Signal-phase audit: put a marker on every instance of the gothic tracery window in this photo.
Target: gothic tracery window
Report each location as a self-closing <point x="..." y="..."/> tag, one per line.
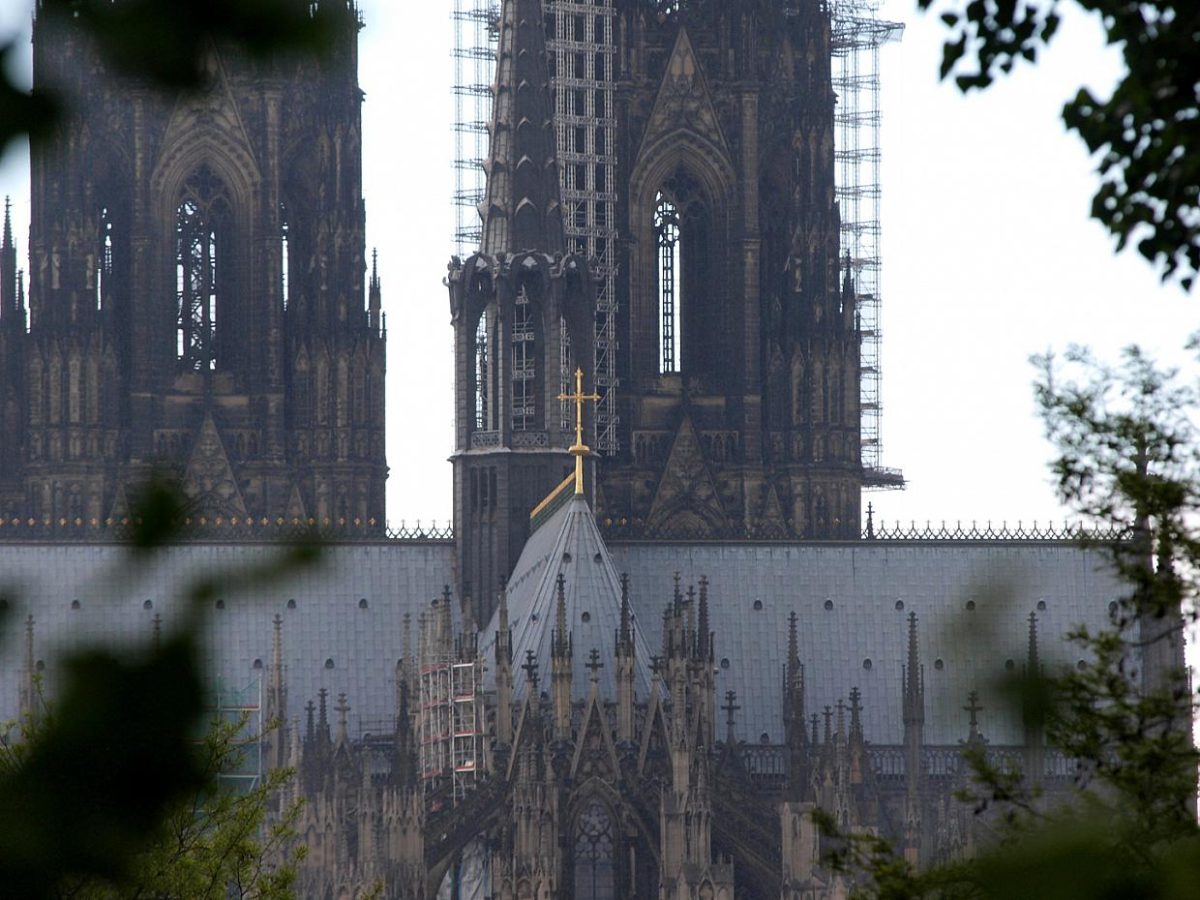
<point x="666" y="232"/>
<point x="594" y="877"/>
<point x="482" y="397"/>
<point x="201" y="229"/>
<point x="524" y="363"/>
<point x="283" y="254"/>
<point x="104" y="260"/>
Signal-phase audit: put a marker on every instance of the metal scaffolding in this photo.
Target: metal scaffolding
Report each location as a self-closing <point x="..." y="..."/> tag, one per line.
<point x="582" y="48"/>
<point x="584" y="53"/>
<point x="450" y="719"/>
<point x="243" y="708"/>
<point x="474" y="53"/>
<point x="582" y="56"/>
<point x="858" y="34"/>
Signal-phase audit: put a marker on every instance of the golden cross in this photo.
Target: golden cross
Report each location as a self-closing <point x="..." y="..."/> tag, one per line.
<point x="579" y="450"/>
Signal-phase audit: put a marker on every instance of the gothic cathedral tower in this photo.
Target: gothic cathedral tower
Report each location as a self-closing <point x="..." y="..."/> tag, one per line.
<point x="197" y="294"/>
<point x="739" y="346"/>
<point x="521" y="310"/>
<point x="685" y="147"/>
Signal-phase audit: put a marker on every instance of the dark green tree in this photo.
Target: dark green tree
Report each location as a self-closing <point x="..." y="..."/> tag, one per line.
<point x="1126" y="459"/>
<point x="116" y="792"/>
<point x="1145" y="136"/>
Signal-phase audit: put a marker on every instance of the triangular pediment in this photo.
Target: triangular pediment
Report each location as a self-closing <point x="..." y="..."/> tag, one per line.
<point x="209" y="481"/>
<point x="686" y="501"/>
<point x="684" y="102"/>
<point x="295" y="508"/>
<point x="772" y="523"/>
<point x="595" y="754"/>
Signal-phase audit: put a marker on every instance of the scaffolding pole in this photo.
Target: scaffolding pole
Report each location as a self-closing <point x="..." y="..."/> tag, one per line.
<point x="858" y="34"/>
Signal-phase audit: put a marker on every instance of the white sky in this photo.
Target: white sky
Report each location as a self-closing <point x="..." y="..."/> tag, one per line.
<point x="988" y="256"/>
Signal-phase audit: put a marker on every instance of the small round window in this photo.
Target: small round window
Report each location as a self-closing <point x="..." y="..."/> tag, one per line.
<point x="867" y="664"/>
<point x="829" y="604"/>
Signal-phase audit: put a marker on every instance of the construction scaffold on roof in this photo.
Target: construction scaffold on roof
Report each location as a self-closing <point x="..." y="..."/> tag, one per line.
<point x="450" y="717"/>
<point x="581" y="42"/>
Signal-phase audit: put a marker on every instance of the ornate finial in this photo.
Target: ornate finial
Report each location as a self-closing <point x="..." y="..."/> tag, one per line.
<point x="342" y="708"/>
<point x="974" y="708"/>
<point x="560" y="617"/>
<point x="531" y="669"/>
<point x="855" y="710"/>
<point x="730" y="708"/>
<point x="594" y="664"/>
<point x="870" y="520"/>
<point x="1034" y="664"/>
<point x="656" y="665"/>
<point x="579" y="449"/>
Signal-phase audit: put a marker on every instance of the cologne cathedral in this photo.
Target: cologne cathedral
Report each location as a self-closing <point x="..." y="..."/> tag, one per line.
<point x="625" y="674"/>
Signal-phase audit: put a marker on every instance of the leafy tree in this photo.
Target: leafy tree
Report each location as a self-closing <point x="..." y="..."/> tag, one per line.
<point x="161" y="43"/>
<point x="1127" y="456"/>
<point x="1145" y="135"/>
<point x="112" y="795"/>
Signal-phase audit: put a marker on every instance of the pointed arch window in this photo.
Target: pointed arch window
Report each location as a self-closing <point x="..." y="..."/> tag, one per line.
<point x="483" y="400"/>
<point x="283" y="253"/>
<point x="525" y="400"/>
<point x="201" y="230"/>
<point x="593" y="852"/>
<point x="666" y="232"/>
<point x="104" y="260"/>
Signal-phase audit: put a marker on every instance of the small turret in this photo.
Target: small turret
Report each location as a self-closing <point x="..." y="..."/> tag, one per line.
<point x="504" y="674"/>
<point x="914" y="724"/>
<point x="560" y="671"/>
<point x="374" y="297"/>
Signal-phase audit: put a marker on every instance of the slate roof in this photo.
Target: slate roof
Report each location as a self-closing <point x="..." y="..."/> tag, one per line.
<point x="568" y="543"/>
<point x="862" y="582"/>
<point x="753" y="588"/>
<point x="330" y="639"/>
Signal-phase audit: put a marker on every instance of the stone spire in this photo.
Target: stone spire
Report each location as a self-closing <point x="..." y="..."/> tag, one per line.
<point x="374" y="295"/>
<point x="277" y="698"/>
<point x="560" y="666"/>
<point x="8" y="268"/>
<point x="28" y="699"/>
<point x="521" y="209"/>
<point x="914" y="725"/>
<point x="624" y="665"/>
<point x="504" y="674"/>
<point x="1031" y="715"/>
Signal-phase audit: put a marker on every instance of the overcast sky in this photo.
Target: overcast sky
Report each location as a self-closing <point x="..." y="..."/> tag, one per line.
<point x="988" y="256"/>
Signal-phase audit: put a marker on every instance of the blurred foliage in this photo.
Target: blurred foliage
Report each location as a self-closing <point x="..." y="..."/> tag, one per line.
<point x="114" y="791"/>
<point x="1145" y="136"/>
<point x="163" y="43"/>
<point x="1126" y="454"/>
